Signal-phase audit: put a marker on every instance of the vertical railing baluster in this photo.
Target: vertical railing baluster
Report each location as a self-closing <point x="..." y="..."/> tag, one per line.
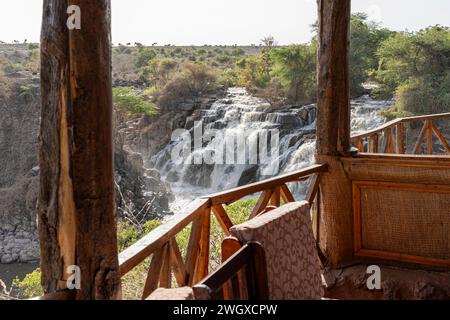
<point x="202" y="267"/>
<point x="373" y="143"/>
<point x="429" y="124"/>
<point x="400" y="138"/>
<point x="276" y="197"/>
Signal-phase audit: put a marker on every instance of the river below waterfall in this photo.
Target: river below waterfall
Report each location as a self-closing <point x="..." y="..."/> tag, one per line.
<point x="245" y="121"/>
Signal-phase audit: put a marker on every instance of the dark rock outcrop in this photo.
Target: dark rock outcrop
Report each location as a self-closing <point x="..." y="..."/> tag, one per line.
<point x="19" y="174"/>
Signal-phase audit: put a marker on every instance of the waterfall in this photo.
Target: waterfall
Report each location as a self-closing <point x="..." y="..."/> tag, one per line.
<point x="242" y="116"/>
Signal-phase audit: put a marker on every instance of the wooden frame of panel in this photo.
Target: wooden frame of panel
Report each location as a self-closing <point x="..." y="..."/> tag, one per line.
<point x="359" y="251"/>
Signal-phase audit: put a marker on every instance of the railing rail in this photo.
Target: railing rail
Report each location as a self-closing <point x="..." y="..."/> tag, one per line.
<point x="161" y="244"/>
<point x="390" y="137"/>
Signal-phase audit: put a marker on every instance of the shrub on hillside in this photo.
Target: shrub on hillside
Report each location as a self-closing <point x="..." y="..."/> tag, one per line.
<point x="144" y="56"/>
<point x="134" y="102"/>
<point x="30" y="286"/>
<point x="192" y="81"/>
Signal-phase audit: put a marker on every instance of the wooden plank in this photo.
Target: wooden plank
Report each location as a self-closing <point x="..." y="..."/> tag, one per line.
<point x="419" y="143"/>
<point x="357" y="229"/>
<point x="232" y="289"/>
<point x="262" y="203"/>
<point x="178" y="264"/>
<point x="275" y="199"/>
<point x="360" y="145"/>
<point x="373" y="143"/>
<point x="389" y="145"/>
<point x="286" y="194"/>
<point x="202" y="268"/>
<point x="247" y="255"/>
<point x="143" y="248"/>
<point x="384" y="255"/>
<point x="378" y="130"/>
<point x="427" y="117"/>
<point x="428" y="188"/>
<point x="165" y="279"/>
<point x="441" y="137"/>
<point x="313" y="188"/>
<point x="223" y="218"/>
<point x="394" y="160"/>
<point x="193" y="249"/>
<point x="400" y="138"/>
<point x="401" y="120"/>
<point x="259" y="273"/>
<point x="154" y="272"/>
<point x="229" y="196"/>
<point x="429" y="124"/>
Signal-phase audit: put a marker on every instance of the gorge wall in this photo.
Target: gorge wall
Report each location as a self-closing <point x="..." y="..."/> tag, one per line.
<point x="140" y="193"/>
<point x="19" y="171"/>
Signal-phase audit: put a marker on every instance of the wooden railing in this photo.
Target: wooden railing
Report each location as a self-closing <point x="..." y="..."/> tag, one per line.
<point x="162" y="246"/>
<point x="391" y="137"/>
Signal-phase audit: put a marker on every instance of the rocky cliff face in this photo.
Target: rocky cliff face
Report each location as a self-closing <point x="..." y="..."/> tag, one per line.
<point x="19" y="174"/>
<point x="149" y="134"/>
<point x="140" y="194"/>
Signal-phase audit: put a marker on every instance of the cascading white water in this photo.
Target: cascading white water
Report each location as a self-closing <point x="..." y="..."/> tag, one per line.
<point x="240" y="113"/>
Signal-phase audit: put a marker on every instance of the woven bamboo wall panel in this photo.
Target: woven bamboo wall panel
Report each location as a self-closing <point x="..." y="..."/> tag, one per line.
<point x="405" y="219"/>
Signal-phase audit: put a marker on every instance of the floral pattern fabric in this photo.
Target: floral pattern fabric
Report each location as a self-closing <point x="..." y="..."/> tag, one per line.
<point x="293" y="266"/>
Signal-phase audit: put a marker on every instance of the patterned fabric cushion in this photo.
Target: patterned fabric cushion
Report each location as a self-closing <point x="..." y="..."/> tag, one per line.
<point x="292" y="260"/>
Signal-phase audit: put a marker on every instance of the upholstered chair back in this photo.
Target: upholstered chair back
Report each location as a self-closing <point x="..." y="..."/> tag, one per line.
<point x="293" y="266"/>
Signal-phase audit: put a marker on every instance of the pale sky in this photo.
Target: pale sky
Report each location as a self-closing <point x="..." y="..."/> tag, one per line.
<point x="198" y="22"/>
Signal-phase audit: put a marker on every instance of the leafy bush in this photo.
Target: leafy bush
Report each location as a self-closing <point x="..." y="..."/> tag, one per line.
<point x="134" y="102"/>
<point x="127" y="233"/>
<point x="295" y="68"/>
<point x="416" y="67"/>
<point x="144" y="56"/>
<point x="366" y="37"/>
<point x="189" y="83"/>
<point x="252" y="73"/>
<point x="33" y="46"/>
<point x="30" y="286"/>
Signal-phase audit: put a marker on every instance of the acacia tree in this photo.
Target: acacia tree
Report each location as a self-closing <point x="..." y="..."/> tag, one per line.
<point x="366" y="37"/>
<point x="295" y="68"/>
<point x="416" y="67"/>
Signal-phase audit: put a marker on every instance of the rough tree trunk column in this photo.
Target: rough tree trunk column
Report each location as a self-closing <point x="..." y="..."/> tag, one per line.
<point x="333" y="129"/>
<point x="76" y="209"/>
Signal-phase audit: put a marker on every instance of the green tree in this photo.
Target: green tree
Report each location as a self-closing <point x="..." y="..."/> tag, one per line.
<point x="295" y="68"/>
<point x="366" y="37"/>
<point x="416" y="67"/>
<point x="30" y="286"/>
<point x="144" y="56"/>
<point x="253" y="72"/>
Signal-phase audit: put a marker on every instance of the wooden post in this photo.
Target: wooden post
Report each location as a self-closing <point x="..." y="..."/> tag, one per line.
<point x="389" y="143"/>
<point x="430" y="136"/>
<point x="373" y="143"/>
<point x="333" y="103"/>
<point x="333" y="130"/>
<point x="76" y="209"/>
<point x="400" y="135"/>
